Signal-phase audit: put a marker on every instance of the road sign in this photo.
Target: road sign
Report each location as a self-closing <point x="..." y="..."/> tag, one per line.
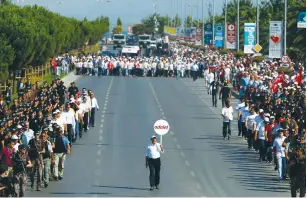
<point x="257" y="48"/>
<point x="161" y="127"/>
<point x="285" y="59"/>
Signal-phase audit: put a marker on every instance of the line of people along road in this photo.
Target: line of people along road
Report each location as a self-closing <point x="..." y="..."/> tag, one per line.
<point x="38" y="131"/>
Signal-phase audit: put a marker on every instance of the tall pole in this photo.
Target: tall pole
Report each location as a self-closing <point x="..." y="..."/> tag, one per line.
<point x="203" y="23"/>
<point x="225" y="26"/>
<point x="285" y="28"/>
<point x="238" y="25"/>
<point x="257" y="21"/>
<point x="213" y="22"/>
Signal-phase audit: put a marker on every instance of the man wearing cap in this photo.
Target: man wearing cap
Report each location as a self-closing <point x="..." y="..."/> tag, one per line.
<point x="35" y="146"/>
<point x="260" y="137"/>
<point x="152" y="160"/>
<point x="280" y="154"/>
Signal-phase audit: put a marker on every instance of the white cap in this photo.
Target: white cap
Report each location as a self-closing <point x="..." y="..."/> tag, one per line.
<point x="260" y="110"/>
<point x="267" y="115"/>
<point x="153" y="137"/>
<point x="19" y="127"/>
<point x="14" y="137"/>
<point x="266" y="119"/>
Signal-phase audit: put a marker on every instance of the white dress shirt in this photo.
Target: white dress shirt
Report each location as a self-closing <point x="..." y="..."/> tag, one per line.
<point x="29" y="134"/>
<point x="153" y="151"/>
<point x="94" y="103"/>
<point x="280" y="150"/>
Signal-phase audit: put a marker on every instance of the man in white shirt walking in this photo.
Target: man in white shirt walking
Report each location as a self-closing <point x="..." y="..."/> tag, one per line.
<point x="94" y="106"/>
<point x="153" y="151"/>
<point x="280" y="154"/>
<point x="227" y="114"/>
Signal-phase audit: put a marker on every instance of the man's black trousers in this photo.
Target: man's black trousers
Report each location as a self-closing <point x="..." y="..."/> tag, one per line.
<point x="154" y="168"/>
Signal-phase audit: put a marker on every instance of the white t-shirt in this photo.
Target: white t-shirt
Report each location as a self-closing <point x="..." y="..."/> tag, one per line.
<point x="227" y="112"/>
<point x="261" y="130"/>
<point x="251" y="121"/>
<point x="280" y="150"/>
<point x="153" y="151"/>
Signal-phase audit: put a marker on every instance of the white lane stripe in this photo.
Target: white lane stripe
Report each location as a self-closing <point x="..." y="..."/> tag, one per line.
<point x="192" y="173"/>
<point x="101" y="131"/>
<point x="102" y="115"/>
<point x="182" y="154"/>
<point x="99" y="153"/>
<point x="187" y="163"/>
<point x="99" y="145"/>
<point x="198" y="186"/>
<point x="178" y="146"/>
<point x="102" y="120"/>
<point x="100" y="137"/>
<point x="103" y="111"/>
<point x="101" y="125"/>
<point x="98" y="162"/>
<point x="171" y="132"/>
<point x="175" y="139"/>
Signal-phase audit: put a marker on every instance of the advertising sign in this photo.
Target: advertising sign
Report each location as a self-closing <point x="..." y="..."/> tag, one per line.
<point x="170" y="30"/>
<point x="193" y="34"/>
<point x="208" y="33"/>
<point x="231" y="36"/>
<point x="249" y="37"/>
<point x="187" y="34"/>
<point x="199" y="34"/>
<point x="219" y="35"/>
<point x="301" y="20"/>
<point x="276" y="38"/>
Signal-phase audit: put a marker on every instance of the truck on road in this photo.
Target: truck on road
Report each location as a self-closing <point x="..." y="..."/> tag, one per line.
<point x="119" y="41"/>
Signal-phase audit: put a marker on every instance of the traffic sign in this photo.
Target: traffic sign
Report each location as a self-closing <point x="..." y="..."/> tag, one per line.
<point x="257" y="48"/>
<point x="285" y="59"/>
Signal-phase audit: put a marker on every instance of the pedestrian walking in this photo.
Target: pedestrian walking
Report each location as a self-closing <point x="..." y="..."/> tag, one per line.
<point x="94" y="107"/>
<point x="227" y="114"/>
<point x="225" y="94"/>
<point x="153" y="161"/>
<point x="214" y="85"/>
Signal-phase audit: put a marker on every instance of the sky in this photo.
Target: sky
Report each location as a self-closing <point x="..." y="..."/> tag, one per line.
<point x="130" y="11"/>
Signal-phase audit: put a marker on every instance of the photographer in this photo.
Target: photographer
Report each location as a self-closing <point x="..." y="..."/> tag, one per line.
<point x="21" y="161"/>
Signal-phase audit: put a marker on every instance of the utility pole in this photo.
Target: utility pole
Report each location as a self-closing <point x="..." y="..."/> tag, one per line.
<point x="203" y="23"/>
<point x="213" y="22"/>
<point x="285" y="27"/>
<point x="257" y="22"/>
<point x="238" y="25"/>
<point x="225" y="26"/>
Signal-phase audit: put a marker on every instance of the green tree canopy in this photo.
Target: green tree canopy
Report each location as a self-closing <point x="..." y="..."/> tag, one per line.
<point x="30" y="35"/>
<point x="119" y="22"/>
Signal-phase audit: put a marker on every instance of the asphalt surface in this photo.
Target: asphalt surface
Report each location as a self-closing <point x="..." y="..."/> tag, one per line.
<point x="110" y="159"/>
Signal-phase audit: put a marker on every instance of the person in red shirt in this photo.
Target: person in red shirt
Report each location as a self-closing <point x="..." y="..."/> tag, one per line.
<point x="269" y="137"/>
<point x="110" y="67"/>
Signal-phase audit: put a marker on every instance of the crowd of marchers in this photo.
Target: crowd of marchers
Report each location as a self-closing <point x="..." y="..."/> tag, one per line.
<point x="38" y="130"/>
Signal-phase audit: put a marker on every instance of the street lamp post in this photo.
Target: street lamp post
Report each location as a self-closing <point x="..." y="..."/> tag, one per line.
<point x="238" y="25"/>
<point x="203" y="23"/>
<point x="257" y="22"/>
<point x="225" y="26"/>
<point x="285" y="28"/>
<point x="213" y="21"/>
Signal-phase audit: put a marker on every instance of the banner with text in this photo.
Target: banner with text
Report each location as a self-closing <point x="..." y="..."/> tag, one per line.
<point x="208" y="33"/>
<point x="199" y="34"/>
<point x="301" y="20"/>
<point x="170" y="30"/>
<point x="249" y="37"/>
<point x="231" y="36"/>
<point x="276" y="38"/>
<point x="180" y="33"/>
<point x="219" y="35"/>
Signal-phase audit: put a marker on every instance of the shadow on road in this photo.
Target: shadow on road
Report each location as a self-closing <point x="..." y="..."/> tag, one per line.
<point x="121" y="187"/>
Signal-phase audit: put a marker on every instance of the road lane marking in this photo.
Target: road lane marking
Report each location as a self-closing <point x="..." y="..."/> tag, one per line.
<point x="187" y="163"/>
<point x="198" y="186"/>
<point x="101" y="125"/>
<point x="178" y="146"/>
<point x="171" y="132"/>
<point x="98" y="162"/>
<point x="182" y="154"/>
<point x="102" y="120"/>
<point x="192" y="173"/>
<point x="102" y="115"/>
<point x="100" y="137"/>
<point x="175" y="139"/>
<point x="99" y="152"/>
<point x="103" y="111"/>
<point x="101" y="131"/>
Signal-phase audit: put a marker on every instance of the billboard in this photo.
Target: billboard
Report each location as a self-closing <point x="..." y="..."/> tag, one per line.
<point x="170" y="30"/>
<point x="276" y="38"/>
<point x="301" y="20"/>
<point x="199" y="34"/>
<point x="219" y="35"/>
<point x="193" y="34"/>
<point x="231" y="36"/>
<point x="208" y="33"/>
<point x="249" y="37"/>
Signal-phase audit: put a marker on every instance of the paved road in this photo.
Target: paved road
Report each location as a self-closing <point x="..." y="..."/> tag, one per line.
<point x="109" y="160"/>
